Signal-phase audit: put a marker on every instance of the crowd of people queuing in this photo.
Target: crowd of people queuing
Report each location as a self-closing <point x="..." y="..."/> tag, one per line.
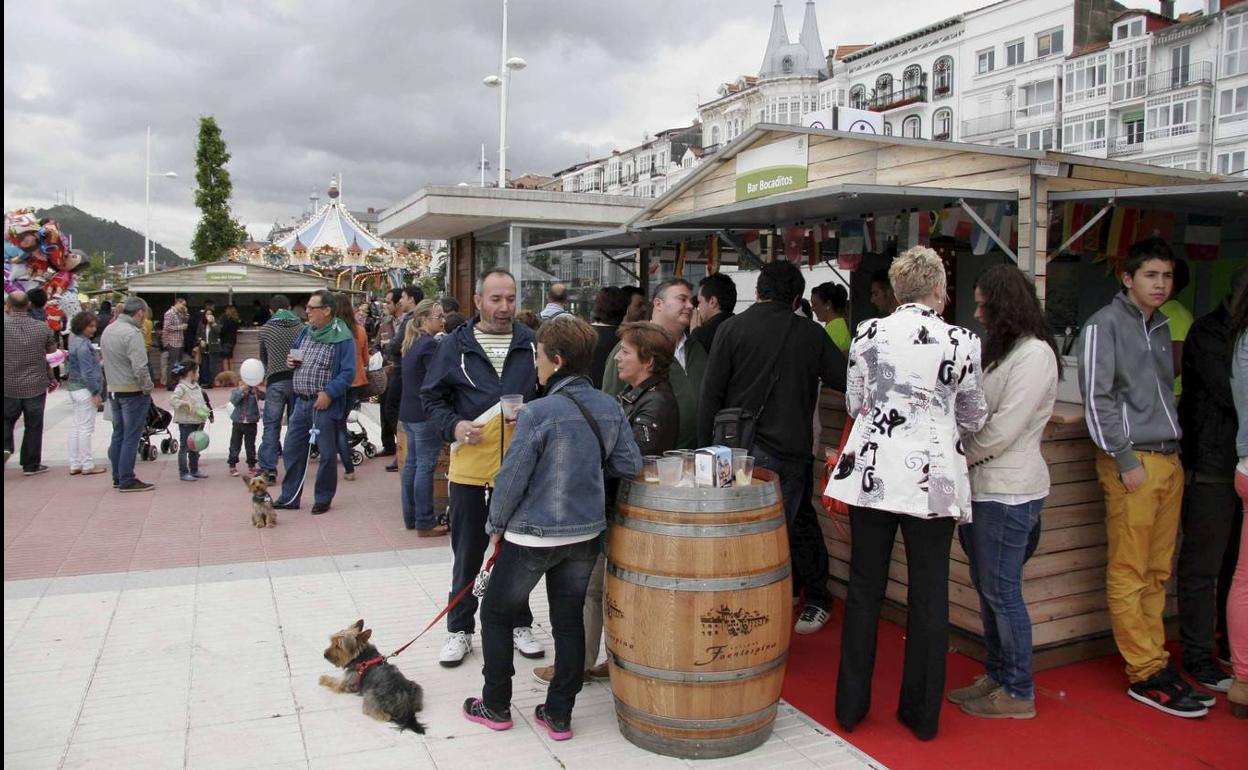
<point x="946" y="438"/>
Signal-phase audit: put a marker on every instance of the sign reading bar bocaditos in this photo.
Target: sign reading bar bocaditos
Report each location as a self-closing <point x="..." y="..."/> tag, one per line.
<point x="230" y="272"/>
<point x="777" y="168"/>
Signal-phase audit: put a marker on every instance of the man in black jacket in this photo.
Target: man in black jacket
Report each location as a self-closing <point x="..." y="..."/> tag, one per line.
<point x="771" y="361"/>
<point x="1212" y="516"/>
<point x="717" y="299"/>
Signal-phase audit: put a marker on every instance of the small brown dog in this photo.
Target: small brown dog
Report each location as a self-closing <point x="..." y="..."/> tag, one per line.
<point x="388" y="695"/>
<point x="262" y="513"/>
<point x="226" y="380"/>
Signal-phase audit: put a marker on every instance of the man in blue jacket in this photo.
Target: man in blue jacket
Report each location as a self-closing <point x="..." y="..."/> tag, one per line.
<point x="474" y="366"/>
<point x="323" y="357"/>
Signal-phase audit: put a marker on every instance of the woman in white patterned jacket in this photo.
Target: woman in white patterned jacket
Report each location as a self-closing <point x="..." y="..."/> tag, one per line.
<point x="913" y="385"/>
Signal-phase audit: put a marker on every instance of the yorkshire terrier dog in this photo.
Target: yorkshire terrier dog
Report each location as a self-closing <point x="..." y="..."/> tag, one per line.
<point x="388" y="695"/>
<point x="262" y="513"/>
<point x="226" y="380"/>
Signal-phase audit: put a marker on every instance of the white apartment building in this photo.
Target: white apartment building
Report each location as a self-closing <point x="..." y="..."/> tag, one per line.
<point x="1085" y="77"/>
<point x="644" y="171"/>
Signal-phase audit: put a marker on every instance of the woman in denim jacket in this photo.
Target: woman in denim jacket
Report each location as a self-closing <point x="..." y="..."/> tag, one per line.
<point x="86" y="393"/>
<point x="549" y="506"/>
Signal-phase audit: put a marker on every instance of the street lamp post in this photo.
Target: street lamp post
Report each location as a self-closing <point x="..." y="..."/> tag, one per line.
<point x="506" y="66"/>
<point x="148" y="260"/>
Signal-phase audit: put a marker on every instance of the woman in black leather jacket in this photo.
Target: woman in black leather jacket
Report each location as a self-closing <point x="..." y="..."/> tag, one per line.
<point x="643" y="360"/>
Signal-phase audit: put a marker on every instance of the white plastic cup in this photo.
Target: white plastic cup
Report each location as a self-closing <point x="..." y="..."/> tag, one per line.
<point x="670" y="470"/>
<point x="742" y="470"/>
<point x="650" y="469"/>
<point x="511" y="406"/>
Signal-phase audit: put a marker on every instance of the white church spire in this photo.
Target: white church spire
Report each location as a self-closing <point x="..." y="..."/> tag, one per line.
<point x="776" y="43"/>
<point x="809" y="39"/>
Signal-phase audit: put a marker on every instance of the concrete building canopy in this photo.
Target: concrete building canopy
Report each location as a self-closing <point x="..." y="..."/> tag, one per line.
<point x="448" y="212"/>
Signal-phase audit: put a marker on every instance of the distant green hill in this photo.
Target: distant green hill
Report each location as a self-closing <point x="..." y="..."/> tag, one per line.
<point x="94" y="235"/>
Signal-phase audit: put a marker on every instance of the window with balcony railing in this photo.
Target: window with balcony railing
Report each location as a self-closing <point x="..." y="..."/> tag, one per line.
<point x="942" y="77"/>
<point x="891" y="99"/>
<point x="942" y="125"/>
<point x="1194" y="74"/>
<point x="1085" y="79"/>
<point x="1084" y="133"/>
<point x="1130" y="71"/>
<point x="987" y="124"/>
<point x="1235" y="45"/>
<point x="1037" y="99"/>
<point x="1165" y="121"/>
<point x="1233" y="105"/>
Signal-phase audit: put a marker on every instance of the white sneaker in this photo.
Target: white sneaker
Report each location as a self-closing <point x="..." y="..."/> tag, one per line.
<point x="529" y="647"/>
<point x="458" y="644"/>
<point x="811" y="620"/>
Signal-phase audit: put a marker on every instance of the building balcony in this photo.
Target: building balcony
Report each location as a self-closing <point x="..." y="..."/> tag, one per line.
<point x="942" y="91"/>
<point x="895" y="99"/>
<point x="1030" y="111"/>
<point x="988" y="124"/>
<point x="1090" y="146"/>
<point x="1178" y="131"/>
<point x="1129" y="90"/>
<point x="1125" y="146"/>
<point x="1195" y="74"/>
<point x="1086" y="96"/>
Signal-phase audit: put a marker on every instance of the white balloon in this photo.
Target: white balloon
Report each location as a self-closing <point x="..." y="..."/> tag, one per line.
<point x="251" y="372"/>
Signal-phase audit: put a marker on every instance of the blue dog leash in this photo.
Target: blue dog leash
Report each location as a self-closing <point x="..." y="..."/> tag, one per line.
<point x="313" y="433"/>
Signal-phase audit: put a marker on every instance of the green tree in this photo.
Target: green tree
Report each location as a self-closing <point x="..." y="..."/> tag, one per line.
<point x="217" y="230"/>
<point x="92" y="276"/>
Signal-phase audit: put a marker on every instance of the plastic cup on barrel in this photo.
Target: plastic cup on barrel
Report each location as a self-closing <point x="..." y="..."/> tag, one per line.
<point x="511" y="406"/>
<point x="650" y="469"/>
<point x="670" y="469"/>
<point x="742" y="470"/>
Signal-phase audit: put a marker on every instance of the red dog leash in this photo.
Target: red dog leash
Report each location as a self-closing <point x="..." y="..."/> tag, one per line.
<point x="360" y="668"/>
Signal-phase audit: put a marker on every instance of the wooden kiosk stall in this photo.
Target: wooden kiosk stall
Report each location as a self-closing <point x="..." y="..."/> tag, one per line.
<point x="978" y="206"/>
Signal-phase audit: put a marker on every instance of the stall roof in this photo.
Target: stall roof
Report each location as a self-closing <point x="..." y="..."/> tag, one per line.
<point x="1225" y="198"/>
<point x="446" y="212"/>
<point x="236" y="277"/>
<point x="838" y="200"/>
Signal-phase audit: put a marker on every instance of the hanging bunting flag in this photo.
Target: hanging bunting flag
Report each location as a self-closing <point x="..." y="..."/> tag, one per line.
<point x="949" y="219"/>
<point x="981" y="241"/>
<point x="1121" y="231"/>
<point x="966" y="226"/>
<point x="681" y="249"/>
<point x="712" y="255"/>
<point x="828" y="245"/>
<point x="1202" y="236"/>
<point x="849" y="254"/>
<point x="868" y="236"/>
<point x="812" y="248"/>
<point x="1155" y="224"/>
<point x="1074" y="215"/>
<point x="794" y="238"/>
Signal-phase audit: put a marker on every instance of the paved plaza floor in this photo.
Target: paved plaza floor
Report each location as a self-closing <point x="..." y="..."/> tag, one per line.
<point x="160" y="630"/>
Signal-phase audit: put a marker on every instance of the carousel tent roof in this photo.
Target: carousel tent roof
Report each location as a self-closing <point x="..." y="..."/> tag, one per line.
<point x="332" y="226"/>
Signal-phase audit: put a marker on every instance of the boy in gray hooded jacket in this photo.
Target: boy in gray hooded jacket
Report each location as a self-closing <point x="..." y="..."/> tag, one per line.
<point x="1126" y="376"/>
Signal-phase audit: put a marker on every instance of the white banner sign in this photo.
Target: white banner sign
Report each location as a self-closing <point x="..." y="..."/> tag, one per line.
<point x="776" y="168"/>
<point x="225" y="273"/>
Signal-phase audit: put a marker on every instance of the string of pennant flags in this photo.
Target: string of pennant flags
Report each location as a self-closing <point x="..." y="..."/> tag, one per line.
<point x="847" y="241"/>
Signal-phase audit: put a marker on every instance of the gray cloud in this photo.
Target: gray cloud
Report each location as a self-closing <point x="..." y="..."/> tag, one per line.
<point x="388" y="93"/>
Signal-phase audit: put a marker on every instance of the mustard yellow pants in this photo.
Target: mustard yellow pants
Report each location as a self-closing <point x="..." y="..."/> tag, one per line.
<point x="1141" y="527"/>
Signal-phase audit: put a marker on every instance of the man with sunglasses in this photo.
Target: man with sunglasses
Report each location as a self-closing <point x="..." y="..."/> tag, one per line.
<point x="323" y="358"/>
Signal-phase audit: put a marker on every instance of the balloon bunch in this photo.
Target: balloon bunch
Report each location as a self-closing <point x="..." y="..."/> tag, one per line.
<point x="37" y="254"/>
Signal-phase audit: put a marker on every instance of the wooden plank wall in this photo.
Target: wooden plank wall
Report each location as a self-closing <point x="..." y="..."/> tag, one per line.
<point x="1064" y="582"/>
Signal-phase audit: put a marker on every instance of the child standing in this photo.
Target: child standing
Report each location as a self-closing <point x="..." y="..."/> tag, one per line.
<point x="190" y="407"/>
<point x="245" y="399"/>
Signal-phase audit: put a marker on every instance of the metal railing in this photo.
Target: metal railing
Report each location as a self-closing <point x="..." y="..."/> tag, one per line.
<point x="1032" y="110"/>
<point x="1169" y="132"/>
<point x="1085" y="146"/>
<point x="898" y="98"/>
<point x="1124" y="146"/>
<point x="986" y="124"/>
<point x="1194" y="74"/>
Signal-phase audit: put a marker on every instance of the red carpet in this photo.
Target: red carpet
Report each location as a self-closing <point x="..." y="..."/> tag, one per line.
<point x="1085" y="718"/>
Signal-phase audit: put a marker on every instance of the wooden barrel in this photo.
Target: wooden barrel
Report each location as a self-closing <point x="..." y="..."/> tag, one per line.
<point x="698" y="612"/>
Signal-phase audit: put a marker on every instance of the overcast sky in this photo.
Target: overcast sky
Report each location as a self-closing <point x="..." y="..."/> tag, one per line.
<point x="387" y="93"/>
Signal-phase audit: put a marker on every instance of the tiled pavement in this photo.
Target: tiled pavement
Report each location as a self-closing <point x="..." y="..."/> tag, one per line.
<point x="164" y="631"/>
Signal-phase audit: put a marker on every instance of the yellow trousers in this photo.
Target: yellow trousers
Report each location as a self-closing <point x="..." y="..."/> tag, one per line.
<point x="1141" y="527"/>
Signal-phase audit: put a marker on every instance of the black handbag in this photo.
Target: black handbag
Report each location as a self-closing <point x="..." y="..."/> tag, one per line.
<point x="734" y="426"/>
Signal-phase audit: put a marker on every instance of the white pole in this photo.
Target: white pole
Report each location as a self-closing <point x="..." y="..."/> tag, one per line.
<point x="483" y="164"/>
<point x="147" y="201"/>
<point x="502" y="109"/>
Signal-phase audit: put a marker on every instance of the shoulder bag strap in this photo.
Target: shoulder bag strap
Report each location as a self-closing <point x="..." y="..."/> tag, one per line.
<point x="593" y="425"/>
<point x="775" y="370"/>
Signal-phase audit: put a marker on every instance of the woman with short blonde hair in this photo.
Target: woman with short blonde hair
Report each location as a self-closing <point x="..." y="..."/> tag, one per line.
<point x="913" y="384"/>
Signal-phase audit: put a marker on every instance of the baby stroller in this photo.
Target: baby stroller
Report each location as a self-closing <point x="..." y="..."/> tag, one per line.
<point x="356" y="436"/>
<point x="158" y="421"/>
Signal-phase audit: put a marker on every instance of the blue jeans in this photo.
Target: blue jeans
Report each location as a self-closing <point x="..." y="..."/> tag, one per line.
<point x="296" y="453"/>
<point x="423" y="445"/>
<point x="999" y="542"/>
<point x="515" y="575"/>
<point x="278" y="398"/>
<point x="129" y="417"/>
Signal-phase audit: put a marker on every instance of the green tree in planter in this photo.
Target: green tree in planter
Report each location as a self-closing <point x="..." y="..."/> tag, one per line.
<point x="217" y="231"/>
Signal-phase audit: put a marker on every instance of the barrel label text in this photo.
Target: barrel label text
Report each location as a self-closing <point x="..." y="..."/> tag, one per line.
<point x="718" y="652"/>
